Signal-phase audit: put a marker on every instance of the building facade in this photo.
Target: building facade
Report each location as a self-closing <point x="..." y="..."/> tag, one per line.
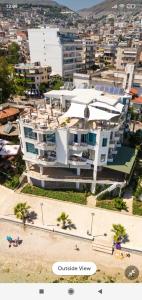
<point x="60" y="49"/>
<point x="89" y="47"/>
<point x="34" y="74"/>
<point x="67" y="142"/>
<point x="126" y="56"/>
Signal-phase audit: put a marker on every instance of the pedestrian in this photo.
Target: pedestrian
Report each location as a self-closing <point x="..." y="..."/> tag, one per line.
<point x="10" y="240"/>
<point x="76" y="248"/>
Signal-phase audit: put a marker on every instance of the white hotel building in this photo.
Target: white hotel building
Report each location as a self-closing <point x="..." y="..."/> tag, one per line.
<point x="72" y="139"/>
<point x="60" y="49"/>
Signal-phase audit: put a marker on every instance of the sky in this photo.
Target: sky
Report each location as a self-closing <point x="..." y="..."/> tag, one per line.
<point x="78" y="4"/>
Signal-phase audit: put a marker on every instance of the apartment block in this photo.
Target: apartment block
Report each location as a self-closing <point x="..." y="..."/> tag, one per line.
<point x="126" y="56"/>
<point x="60" y="49"/>
<point x="74" y="139"/>
<point x="89" y="47"/>
<point x="34" y="74"/>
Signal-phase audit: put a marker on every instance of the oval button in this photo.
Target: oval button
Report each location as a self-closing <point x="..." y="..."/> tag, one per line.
<point x="74" y="268"/>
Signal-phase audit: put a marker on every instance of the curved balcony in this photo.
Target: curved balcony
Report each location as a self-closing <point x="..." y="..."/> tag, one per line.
<point x="78" y="146"/>
<point x="46" y="146"/>
<point x="77" y="160"/>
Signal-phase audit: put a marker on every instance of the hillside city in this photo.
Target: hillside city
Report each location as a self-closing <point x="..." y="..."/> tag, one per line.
<point x="70" y="140"/>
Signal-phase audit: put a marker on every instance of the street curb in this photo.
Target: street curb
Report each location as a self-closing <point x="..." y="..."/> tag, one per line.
<point x="87" y="239"/>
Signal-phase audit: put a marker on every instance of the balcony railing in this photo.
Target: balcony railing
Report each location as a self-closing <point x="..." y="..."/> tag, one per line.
<point x="47" y="158"/>
<point x="78" y="145"/>
<point x="77" y="160"/>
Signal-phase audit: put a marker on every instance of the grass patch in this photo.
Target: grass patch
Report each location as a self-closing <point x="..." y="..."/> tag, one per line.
<point x="106" y="204"/>
<point x="137" y="207"/>
<point x="12" y="183"/>
<point x="117" y="204"/>
<point x="71" y="196"/>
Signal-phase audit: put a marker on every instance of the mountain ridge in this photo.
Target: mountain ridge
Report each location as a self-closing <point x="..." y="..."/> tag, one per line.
<point x="109" y="6"/>
<point x="32" y="2"/>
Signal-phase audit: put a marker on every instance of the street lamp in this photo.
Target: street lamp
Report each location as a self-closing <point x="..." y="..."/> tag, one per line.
<point x="92" y="218"/>
<point x="93" y="214"/>
<point x="41" y="204"/>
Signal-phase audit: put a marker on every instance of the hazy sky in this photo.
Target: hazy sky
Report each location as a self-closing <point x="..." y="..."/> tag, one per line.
<point x="78" y="4"/>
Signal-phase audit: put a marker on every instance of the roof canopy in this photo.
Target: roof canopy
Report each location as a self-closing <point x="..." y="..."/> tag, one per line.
<point x="77" y="111"/>
<point x="84" y="96"/>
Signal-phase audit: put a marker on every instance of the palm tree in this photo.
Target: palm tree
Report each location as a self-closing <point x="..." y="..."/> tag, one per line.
<point x="119" y="233"/>
<point x="21" y="211"/>
<point x="64" y="218"/>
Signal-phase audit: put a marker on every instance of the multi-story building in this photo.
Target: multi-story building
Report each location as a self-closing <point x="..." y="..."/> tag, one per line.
<point x="58" y="48"/>
<point x="126" y="56"/>
<point x="89" y="47"/>
<point x="34" y="74"/>
<point x="109" y="54"/>
<point x="72" y="139"/>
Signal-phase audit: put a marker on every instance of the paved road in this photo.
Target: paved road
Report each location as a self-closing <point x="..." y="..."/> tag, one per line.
<point x="80" y="216"/>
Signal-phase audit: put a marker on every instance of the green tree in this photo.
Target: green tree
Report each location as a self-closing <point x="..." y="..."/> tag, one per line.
<point x="43" y="88"/>
<point x="13" y="53"/>
<point x="64" y="219"/>
<point x="135" y="138"/>
<point x="119" y="233"/>
<point x="56" y="83"/>
<point x="5" y="80"/>
<point x="21" y="211"/>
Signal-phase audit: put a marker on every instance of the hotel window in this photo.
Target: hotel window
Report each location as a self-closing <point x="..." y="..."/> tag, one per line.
<point x="31" y="148"/>
<point x="49" y="138"/>
<point x="30" y="134"/>
<point x="84" y="138"/>
<point x="91" y="139"/>
<point x="104" y="142"/>
<point x="75" y="138"/>
<point x="103" y="158"/>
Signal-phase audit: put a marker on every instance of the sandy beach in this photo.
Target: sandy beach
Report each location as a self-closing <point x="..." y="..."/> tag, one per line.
<point x="32" y="261"/>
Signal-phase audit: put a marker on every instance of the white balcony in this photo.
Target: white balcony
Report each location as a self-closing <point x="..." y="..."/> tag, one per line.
<point x="110" y="159"/>
<point x="50" y="161"/>
<point x="118" y="145"/>
<point x="117" y="138"/>
<point x="78" y="146"/>
<point x="114" y="151"/>
<point x="43" y="128"/>
<point x="78" y="130"/>
<point x="40" y="160"/>
<point x="77" y="161"/>
<point x="46" y="146"/>
<point x="30" y="140"/>
<point x="112" y="144"/>
<point x="90" y="161"/>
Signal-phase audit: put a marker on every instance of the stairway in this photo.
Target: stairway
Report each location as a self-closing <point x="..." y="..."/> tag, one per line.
<point x="100" y="247"/>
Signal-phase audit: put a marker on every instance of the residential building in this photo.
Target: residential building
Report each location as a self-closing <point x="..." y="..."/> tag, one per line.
<point x="34" y="74"/>
<point x="126" y="56"/>
<point x="89" y="47"/>
<point x="75" y="139"/>
<point x="60" y="49"/>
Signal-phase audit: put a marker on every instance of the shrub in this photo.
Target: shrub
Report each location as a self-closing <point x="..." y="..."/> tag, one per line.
<point x="120" y="204"/>
<point x="12" y="183"/>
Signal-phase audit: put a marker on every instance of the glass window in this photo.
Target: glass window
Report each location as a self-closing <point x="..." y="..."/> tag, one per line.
<point x="103" y="158"/>
<point x="84" y="138"/>
<point x="91" y="139"/>
<point x="75" y="138"/>
<point x="29" y="133"/>
<point x="31" y="148"/>
<point x="104" y="142"/>
<point x="49" y="138"/>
